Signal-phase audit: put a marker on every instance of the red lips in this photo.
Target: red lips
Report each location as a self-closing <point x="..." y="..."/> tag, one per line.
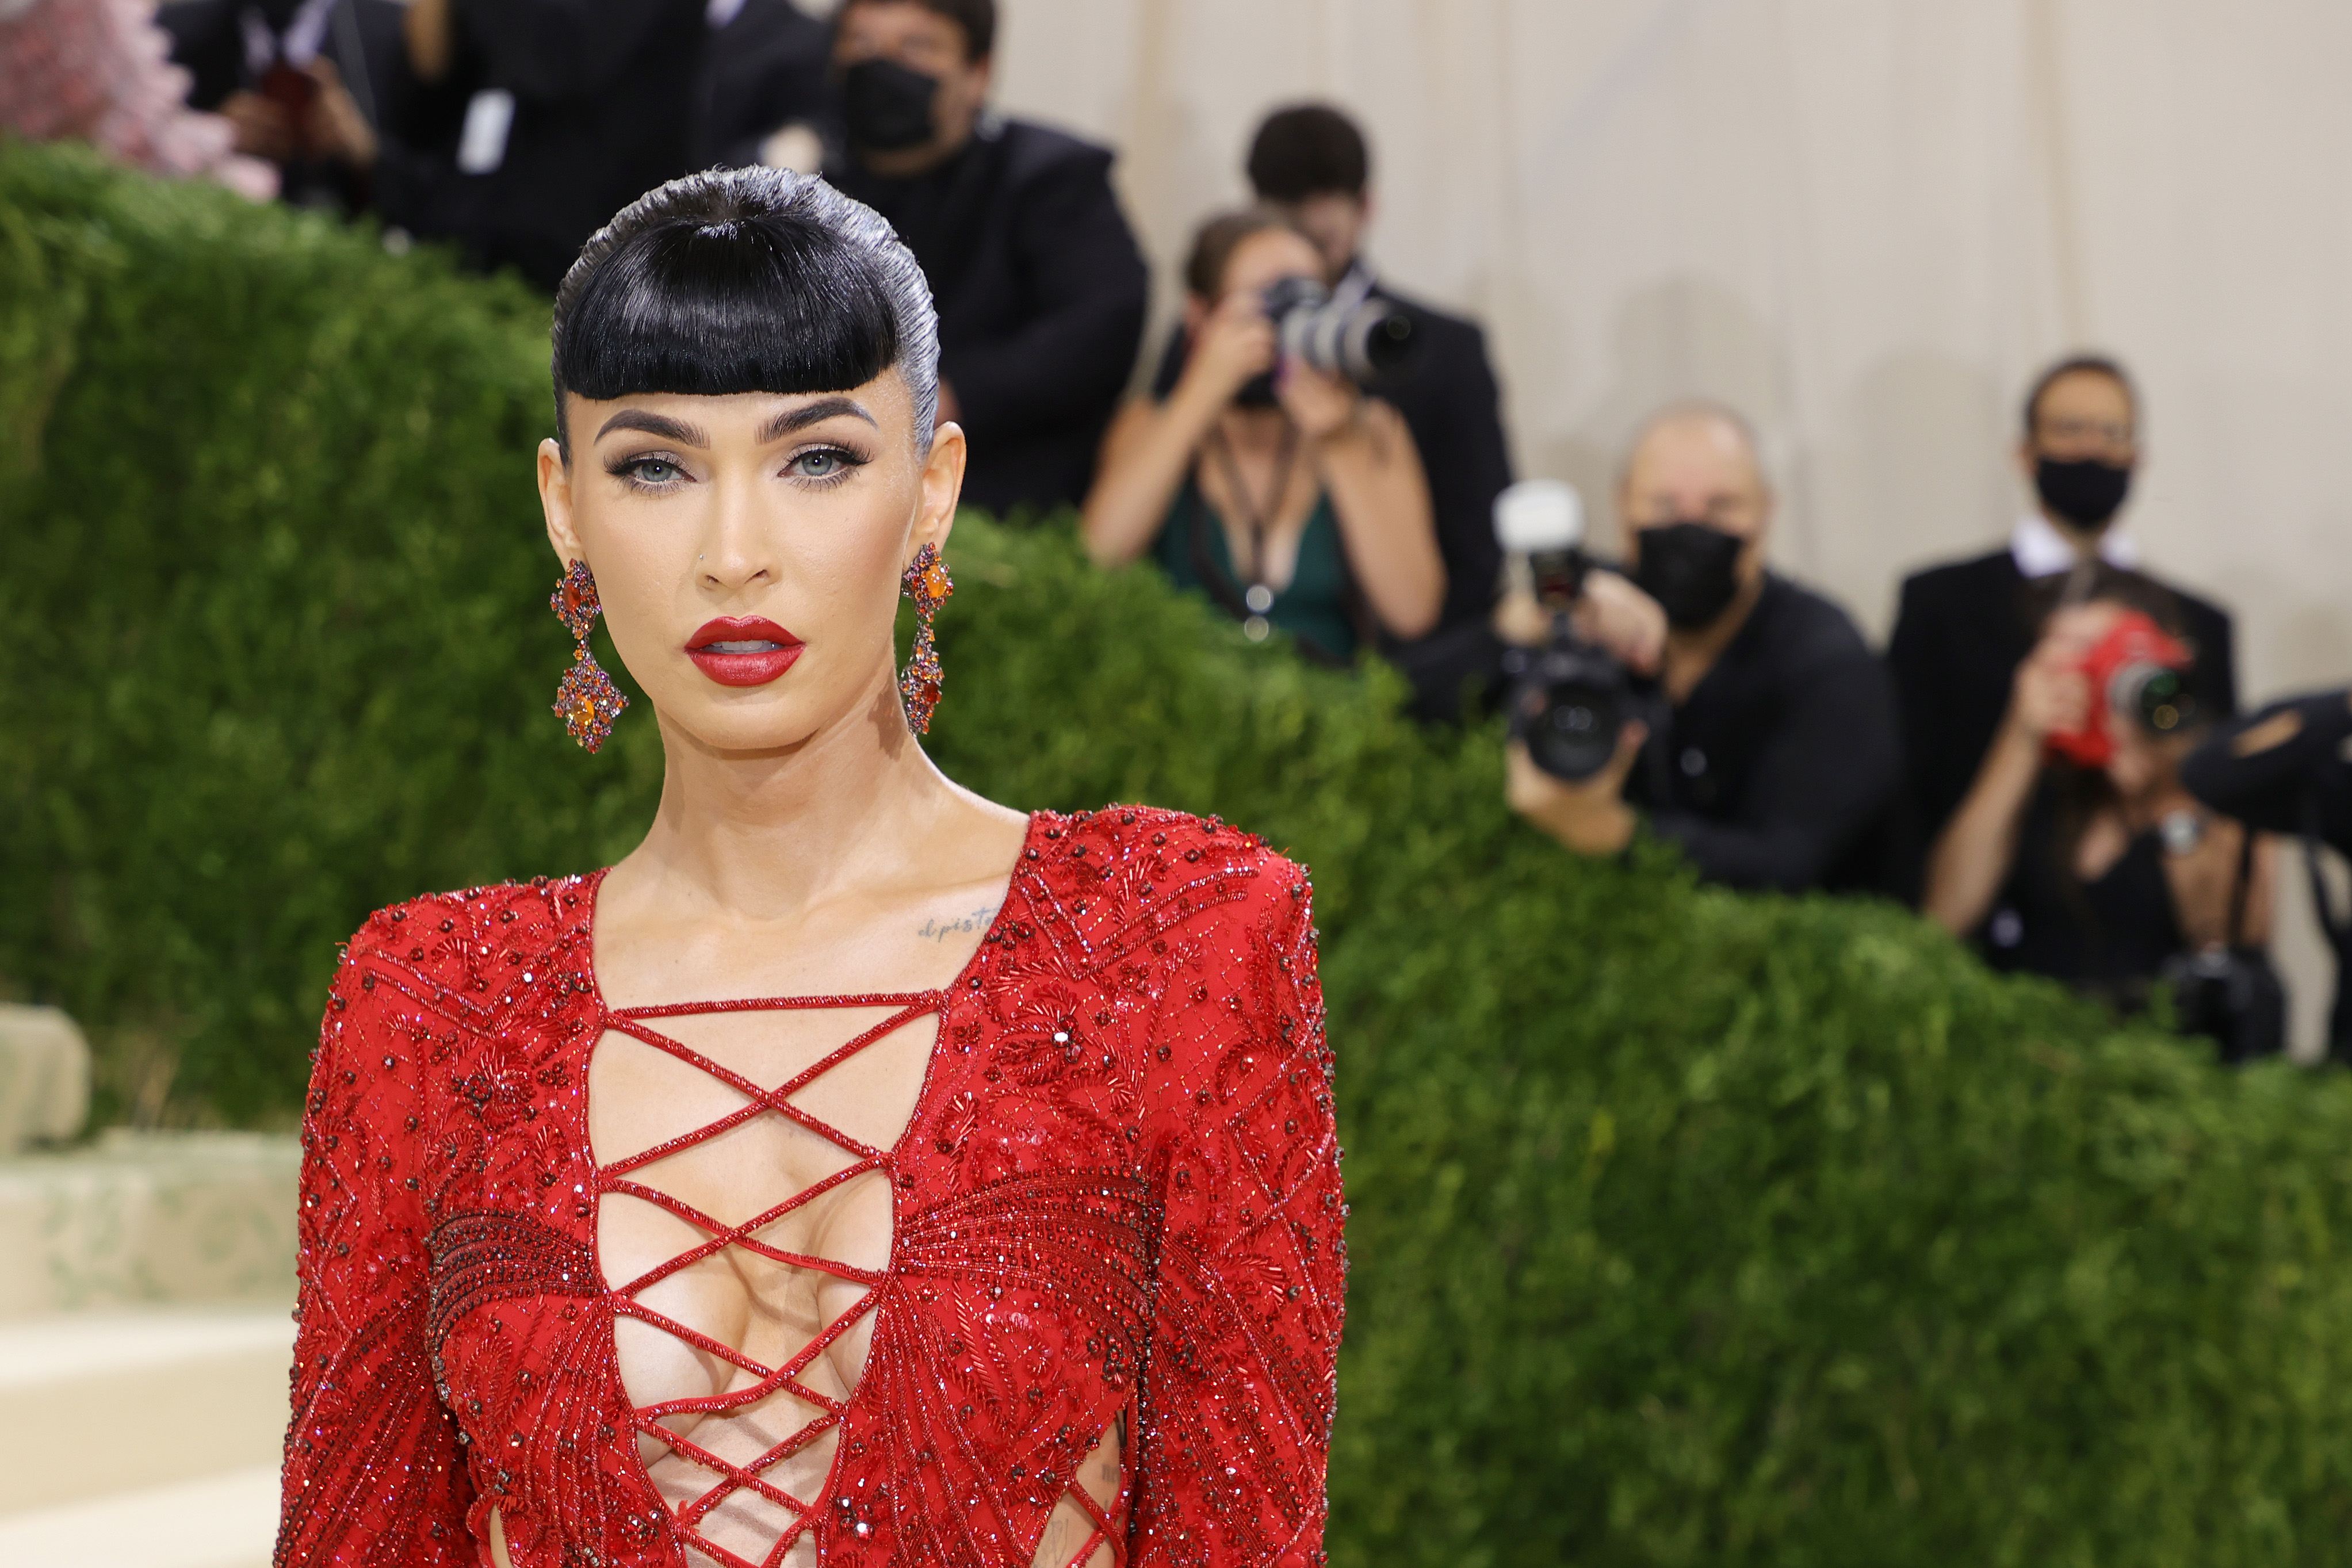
<point x="747" y="652"/>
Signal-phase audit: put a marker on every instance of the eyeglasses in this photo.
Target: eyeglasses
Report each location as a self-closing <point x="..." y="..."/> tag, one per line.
<point x="2084" y="432"/>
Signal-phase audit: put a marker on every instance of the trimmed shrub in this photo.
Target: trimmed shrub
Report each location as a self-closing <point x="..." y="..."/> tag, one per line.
<point x="1688" y="1227"/>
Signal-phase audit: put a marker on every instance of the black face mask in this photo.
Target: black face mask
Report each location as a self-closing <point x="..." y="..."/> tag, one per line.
<point x="1692" y="569"/>
<point x="885" y="106"/>
<point x="2086" y="492"/>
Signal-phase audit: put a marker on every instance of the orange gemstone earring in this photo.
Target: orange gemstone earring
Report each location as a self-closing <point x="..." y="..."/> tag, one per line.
<point x="587" y="701"/>
<point x="928" y="585"/>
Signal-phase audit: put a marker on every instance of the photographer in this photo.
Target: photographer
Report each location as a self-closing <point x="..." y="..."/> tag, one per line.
<point x="1290" y="497"/>
<point x="1040" y="287"/>
<point x="2077" y="853"/>
<point x="2285" y="771"/>
<point x="1772" y="758"/>
<point x="1963" y="628"/>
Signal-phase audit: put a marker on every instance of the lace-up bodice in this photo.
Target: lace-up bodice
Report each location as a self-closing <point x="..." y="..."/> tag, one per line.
<point x="1051" y="1254"/>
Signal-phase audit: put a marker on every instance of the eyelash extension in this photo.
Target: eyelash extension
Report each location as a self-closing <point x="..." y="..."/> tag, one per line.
<point x="851" y="461"/>
<point x="626" y="469"/>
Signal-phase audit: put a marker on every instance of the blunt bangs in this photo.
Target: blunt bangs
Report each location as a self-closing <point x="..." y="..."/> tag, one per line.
<point x="744" y="280"/>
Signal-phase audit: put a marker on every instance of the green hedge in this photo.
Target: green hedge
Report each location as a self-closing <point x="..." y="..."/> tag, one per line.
<point x="1688" y="1228"/>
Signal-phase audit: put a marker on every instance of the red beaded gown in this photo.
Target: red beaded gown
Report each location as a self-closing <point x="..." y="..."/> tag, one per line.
<point x="1115" y="1208"/>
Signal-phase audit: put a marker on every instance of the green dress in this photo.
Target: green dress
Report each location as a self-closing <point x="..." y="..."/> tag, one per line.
<point x="1317" y="607"/>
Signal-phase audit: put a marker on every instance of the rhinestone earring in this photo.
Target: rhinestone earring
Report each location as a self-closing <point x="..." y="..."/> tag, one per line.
<point x="927" y="583"/>
<point x="587" y="701"/>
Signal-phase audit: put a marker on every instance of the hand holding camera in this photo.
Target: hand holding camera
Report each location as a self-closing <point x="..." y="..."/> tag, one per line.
<point x="2100" y="677"/>
<point x="1584" y="633"/>
<point x="1234" y="346"/>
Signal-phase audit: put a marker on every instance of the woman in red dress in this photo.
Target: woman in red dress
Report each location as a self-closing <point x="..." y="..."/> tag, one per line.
<point x="858" y="1172"/>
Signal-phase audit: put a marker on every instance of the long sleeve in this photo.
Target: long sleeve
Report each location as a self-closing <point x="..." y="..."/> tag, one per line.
<point x="372" y="1474"/>
<point x="1831" y="766"/>
<point x="1237" y="1396"/>
<point x="1068" y="359"/>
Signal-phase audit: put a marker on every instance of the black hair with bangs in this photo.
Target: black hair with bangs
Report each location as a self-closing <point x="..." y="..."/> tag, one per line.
<point x="744" y="280"/>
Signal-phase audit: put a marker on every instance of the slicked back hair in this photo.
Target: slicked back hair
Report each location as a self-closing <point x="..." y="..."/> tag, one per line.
<point x="745" y="280"/>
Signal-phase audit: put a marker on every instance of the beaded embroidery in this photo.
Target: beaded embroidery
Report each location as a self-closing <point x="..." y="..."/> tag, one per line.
<point x="1116" y="1207"/>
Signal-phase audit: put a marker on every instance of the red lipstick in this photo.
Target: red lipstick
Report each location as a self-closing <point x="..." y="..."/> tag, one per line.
<point x="743" y="652"/>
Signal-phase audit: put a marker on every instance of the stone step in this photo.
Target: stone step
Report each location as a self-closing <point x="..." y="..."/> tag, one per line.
<point x="103" y="1403"/>
<point x="227" y="1520"/>
<point x="43" y="1077"/>
<point x="149" y="1217"/>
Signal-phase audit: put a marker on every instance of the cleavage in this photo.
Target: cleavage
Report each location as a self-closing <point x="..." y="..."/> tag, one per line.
<point x="743" y="1228"/>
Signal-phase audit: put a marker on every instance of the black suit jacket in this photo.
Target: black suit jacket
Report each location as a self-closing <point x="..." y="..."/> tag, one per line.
<point x="1447" y="394"/>
<point x="1041" y="292"/>
<point x="1960" y="635"/>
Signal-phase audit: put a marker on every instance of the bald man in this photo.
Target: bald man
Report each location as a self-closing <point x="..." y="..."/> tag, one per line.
<point x="1777" y="762"/>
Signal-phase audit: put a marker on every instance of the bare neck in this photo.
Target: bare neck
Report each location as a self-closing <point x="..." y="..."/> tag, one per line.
<point x="767" y="835"/>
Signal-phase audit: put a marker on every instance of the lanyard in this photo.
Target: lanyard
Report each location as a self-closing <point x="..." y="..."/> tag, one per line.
<point x="1256" y="595"/>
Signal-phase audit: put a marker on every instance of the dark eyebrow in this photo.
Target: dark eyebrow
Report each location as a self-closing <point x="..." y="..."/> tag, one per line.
<point x="654" y="424"/>
<point x="809" y="414"/>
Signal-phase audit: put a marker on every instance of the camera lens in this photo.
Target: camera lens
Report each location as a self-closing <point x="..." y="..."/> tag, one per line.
<point x="1569" y="708"/>
<point x="2156" y="695"/>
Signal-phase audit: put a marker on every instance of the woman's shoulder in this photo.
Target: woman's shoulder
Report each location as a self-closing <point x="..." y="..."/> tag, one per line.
<point x="502" y="931"/>
<point x="1139" y="870"/>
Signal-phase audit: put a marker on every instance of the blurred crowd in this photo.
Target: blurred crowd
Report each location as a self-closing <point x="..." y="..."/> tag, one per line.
<point x="2048" y="758"/>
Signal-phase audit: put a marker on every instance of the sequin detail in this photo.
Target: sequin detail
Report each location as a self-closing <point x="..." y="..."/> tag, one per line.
<point x="1116" y="1206"/>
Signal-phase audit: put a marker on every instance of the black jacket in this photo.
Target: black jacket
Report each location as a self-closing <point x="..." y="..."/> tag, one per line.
<point x="1041" y="292"/>
<point x="1782" y="770"/>
<point x="1960" y="635"/>
<point x="1447" y="394"/>
<point x="606" y="94"/>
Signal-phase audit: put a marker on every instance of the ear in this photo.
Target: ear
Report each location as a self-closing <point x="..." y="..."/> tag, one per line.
<point x="555" y="501"/>
<point x="942" y="484"/>
<point x="1196" y="310"/>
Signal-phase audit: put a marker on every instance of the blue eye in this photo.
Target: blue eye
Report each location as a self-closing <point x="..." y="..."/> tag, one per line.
<point x="653" y="471"/>
<point x="821" y="464"/>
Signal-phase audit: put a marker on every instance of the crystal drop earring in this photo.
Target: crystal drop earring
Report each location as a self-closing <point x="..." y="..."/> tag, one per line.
<point x="927" y="584"/>
<point x="587" y="701"/>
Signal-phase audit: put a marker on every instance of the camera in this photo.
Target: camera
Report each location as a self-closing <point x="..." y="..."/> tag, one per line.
<point x="1361" y="341"/>
<point x="2138" y="674"/>
<point x="1569" y="700"/>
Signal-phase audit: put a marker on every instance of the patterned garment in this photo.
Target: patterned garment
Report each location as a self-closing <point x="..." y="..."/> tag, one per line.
<point x="1116" y="1209"/>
